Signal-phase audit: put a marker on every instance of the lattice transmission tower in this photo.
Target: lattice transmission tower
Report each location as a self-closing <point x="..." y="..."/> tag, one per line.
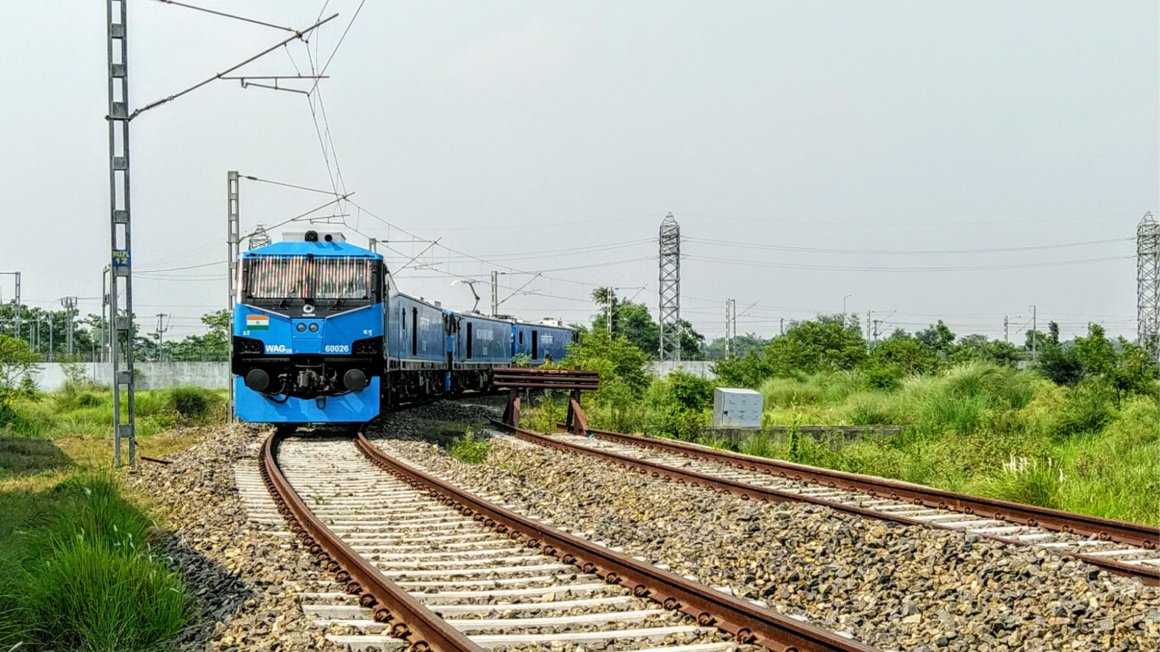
<point x="1148" y="282"/>
<point x="670" y="289"/>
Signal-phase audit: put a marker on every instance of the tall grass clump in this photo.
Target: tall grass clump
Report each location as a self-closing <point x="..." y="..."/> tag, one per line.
<point x="86" y="576"/>
<point x="789" y="392"/>
<point x="759" y="444"/>
<point x="469" y="449"/>
<point x="1028" y="481"/>
<point x="873" y="409"/>
<point x="836" y="387"/>
<point x="193" y="404"/>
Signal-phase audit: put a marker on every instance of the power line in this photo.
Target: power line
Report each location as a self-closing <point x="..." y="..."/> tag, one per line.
<point x="903" y="252"/>
<point x="973" y="268"/>
<point x="233" y="16"/>
<point x="1003" y="222"/>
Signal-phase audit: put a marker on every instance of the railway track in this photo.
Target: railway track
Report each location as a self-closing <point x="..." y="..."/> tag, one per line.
<point x="427" y="566"/>
<point x="1125" y="548"/>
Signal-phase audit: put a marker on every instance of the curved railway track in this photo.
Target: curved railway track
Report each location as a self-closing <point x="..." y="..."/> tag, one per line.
<point x="441" y="569"/>
<point x="1126" y="548"/>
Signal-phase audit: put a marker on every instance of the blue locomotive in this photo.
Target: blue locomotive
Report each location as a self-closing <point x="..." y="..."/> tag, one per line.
<point x="321" y="336"/>
<point x="308" y="332"/>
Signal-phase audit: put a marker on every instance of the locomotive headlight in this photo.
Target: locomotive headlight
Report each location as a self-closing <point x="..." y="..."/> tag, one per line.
<point x="301" y="328"/>
<point x="314" y="328"/>
<point x="354" y="380"/>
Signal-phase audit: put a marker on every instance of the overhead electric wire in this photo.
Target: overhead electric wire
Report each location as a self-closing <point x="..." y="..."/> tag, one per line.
<point x="233" y="16"/>
<point x="839" y="268"/>
<point x="767" y="220"/>
<point x="180" y="269"/>
<point x="288" y="185"/>
<point x="902" y="252"/>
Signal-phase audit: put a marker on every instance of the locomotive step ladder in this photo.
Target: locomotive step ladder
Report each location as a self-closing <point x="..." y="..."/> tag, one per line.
<point x="574" y="381"/>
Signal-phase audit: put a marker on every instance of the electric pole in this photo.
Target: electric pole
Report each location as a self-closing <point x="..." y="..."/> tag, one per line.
<point x="869" y="332"/>
<point x="608" y="308"/>
<point x="1005" y="337"/>
<point x="730" y="326"/>
<point x="781" y="326"/>
<point x="494" y="293"/>
<point x="70" y="306"/>
<point x="162" y="327"/>
<point x="1034" y="336"/>
<point x="118" y="118"/>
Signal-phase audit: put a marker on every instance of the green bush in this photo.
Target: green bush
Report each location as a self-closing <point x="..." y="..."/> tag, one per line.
<point x="689" y="391"/>
<point x="469" y="449"/>
<point x="1088" y="408"/>
<point x="192" y="403"/>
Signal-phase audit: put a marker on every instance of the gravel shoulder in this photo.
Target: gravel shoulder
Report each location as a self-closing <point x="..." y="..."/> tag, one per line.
<point x="246" y="578"/>
<point x="891" y="586"/>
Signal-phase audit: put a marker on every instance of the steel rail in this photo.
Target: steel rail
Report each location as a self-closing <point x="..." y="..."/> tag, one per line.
<point x="411" y="620"/>
<point x="751" y="623"/>
<point x="1149" y="575"/>
<point x="1135" y="534"/>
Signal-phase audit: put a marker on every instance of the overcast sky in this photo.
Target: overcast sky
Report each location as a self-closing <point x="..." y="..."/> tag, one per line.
<point x="808" y="149"/>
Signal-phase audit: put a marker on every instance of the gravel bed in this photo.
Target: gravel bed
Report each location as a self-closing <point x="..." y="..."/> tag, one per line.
<point x="891" y="586"/>
<point x="246" y="580"/>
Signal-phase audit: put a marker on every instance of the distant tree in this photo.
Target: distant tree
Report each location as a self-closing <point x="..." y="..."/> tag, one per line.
<point x="214" y="345"/>
<point x="692" y="342"/>
<point x="634" y="322"/>
<point x="1134" y="371"/>
<point x="1094" y="353"/>
<point x="748" y="370"/>
<point x="622" y="366"/>
<point x="826" y="344"/>
<point x="1059" y="363"/>
<point x="939" y="338"/>
<point x="980" y="348"/>
<point x="1036" y="341"/>
<point x="896" y="358"/>
<point x="742" y="344"/>
<point x="16" y="362"/>
<point x="898" y="334"/>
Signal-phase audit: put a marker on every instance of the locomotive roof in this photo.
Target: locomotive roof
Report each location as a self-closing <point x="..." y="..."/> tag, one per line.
<point x="323" y="249"/>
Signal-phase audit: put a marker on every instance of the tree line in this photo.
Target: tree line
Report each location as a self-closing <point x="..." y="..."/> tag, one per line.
<point x="45" y="333"/>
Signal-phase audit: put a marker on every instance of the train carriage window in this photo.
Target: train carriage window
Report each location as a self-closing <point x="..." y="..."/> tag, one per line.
<point x="414" y="331"/>
<point x="469" y="340"/>
<point x="521" y="338"/>
<point x="535" y="344"/>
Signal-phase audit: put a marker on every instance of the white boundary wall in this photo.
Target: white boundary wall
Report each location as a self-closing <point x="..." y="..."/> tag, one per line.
<point x="51" y="376"/>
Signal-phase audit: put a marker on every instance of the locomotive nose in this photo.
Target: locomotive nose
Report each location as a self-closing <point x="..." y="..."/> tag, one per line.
<point x="354" y="380"/>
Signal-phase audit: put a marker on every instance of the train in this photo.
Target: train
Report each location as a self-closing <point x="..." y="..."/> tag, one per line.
<point x="322" y="335"/>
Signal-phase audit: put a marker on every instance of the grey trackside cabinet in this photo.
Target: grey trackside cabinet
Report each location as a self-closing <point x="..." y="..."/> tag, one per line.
<point x="736" y="408"/>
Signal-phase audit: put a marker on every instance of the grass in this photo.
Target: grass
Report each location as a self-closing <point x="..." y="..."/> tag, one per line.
<point x="469" y="449"/>
<point x="81" y="567"/>
<point x="974" y="428"/>
<point x="81" y="572"/>
<point x="80" y="409"/>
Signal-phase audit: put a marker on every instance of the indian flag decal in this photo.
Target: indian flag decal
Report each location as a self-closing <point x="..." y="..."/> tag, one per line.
<point x="258" y="322"/>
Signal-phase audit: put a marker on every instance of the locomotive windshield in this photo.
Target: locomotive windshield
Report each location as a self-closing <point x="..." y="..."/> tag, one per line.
<point x="347" y="281"/>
